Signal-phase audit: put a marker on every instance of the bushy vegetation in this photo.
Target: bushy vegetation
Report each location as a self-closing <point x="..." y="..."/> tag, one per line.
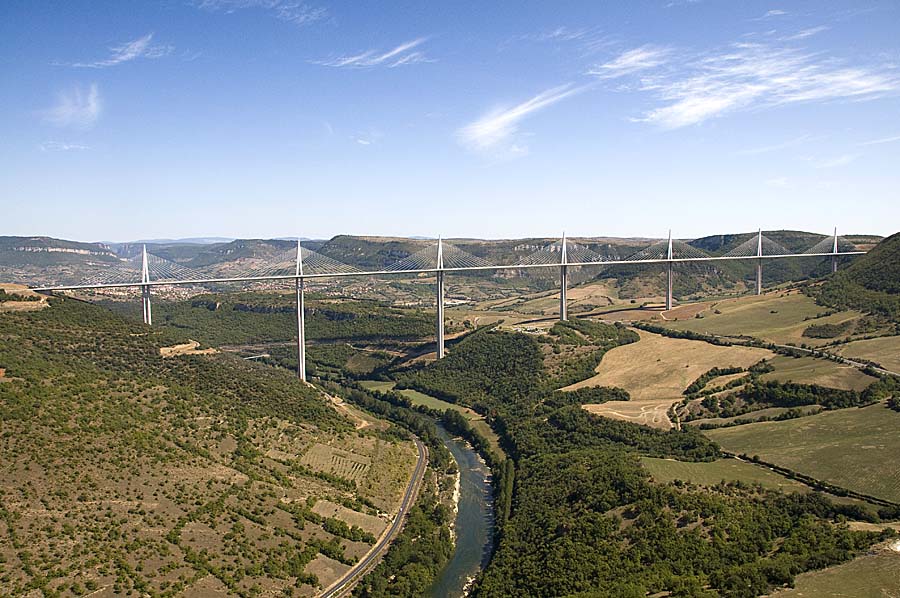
<point x="239" y="318"/>
<point x="416" y="556"/>
<point x="827" y="330"/>
<point x="871" y="283"/>
<point x="146" y="466"/>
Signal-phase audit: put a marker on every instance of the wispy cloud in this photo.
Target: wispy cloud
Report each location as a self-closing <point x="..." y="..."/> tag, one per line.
<point x="779" y="182"/>
<point x="880" y="141"/>
<point x="289" y="11"/>
<point x="632" y="61"/>
<point x="128" y="51"/>
<point x="559" y="34"/>
<point x="835" y="162"/>
<point x="751" y="76"/>
<point x="776" y="147"/>
<point x="774" y="13"/>
<point x="497" y="130"/>
<point x="60" y="146"/>
<point x="404" y="54"/>
<point x="807" y="33"/>
<point x="77" y="107"/>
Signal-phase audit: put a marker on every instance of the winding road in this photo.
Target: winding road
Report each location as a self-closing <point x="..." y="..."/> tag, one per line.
<point x="345" y="583"/>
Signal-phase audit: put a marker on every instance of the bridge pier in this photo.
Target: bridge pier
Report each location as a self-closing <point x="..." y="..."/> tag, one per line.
<point x="834" y="260"/>
<point x="145" y="302"/>
<point x="563" y="283"/>
<point x="563" y="280"/>
<point x="670" y="274"/>
<point x="439" y="318"/>
<point x="301" y="332"/>
<point x="145" y="289"/>
<point x="759" y="252"/>
<point x="301" y="317"/>
<point x="439" y="332"/>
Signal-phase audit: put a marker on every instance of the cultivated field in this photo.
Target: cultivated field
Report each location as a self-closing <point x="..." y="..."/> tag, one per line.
<point x="655" y="370"/>
<point x="710" y="474"/>
<point x="885" y="350"/>
<point x="779" y="317"/>
<point x="854" y="448"/>
<point x="807" y="370"/>
<point x="660" y="368"/>
<point x="870" y="576"/>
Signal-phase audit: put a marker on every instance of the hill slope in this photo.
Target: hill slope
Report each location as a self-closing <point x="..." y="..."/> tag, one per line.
<point x="871" y="283"/>
<point x="121" y="470"/>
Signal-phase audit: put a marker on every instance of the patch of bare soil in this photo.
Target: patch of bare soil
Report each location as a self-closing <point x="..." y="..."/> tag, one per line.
<point x="188" y="348"/>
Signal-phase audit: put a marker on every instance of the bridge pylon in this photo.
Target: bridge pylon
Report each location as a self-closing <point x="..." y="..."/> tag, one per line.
<point x="439" y="318"/>
<point x="301" y="317"/>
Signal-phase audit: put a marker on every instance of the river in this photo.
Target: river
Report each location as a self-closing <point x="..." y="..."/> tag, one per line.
<point x="474" y="521"/>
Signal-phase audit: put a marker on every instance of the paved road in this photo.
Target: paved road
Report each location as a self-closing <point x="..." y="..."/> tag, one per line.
<point x="356" y="572"/>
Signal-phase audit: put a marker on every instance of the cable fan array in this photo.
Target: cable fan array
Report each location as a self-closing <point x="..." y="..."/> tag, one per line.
<point x="285" y="264"/>
<point x="660" y="251"/>
<point x="427" y="259"/>
<point x="826" y="245"/>
<point x="750" y="247"/>
<point x="552" y="254"/>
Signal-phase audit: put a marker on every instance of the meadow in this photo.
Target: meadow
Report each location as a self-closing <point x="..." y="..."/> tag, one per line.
<point x="713" y="472"/>
<point x="846" y="447"/>
<point x="779" y="317"/>
<point x="870" y="576"/>
<point x="807" y="370"/>
<point x="884" y="350"/>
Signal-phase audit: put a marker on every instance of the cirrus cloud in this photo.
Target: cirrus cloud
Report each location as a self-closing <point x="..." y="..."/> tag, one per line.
<point x="77" y="108"/>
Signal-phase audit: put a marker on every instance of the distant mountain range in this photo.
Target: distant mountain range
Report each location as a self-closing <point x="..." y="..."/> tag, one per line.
<point x="44" y="260"/>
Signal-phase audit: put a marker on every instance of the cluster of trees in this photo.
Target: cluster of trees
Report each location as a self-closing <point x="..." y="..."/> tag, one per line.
<point x="700" y="383"/>
<point x="231" y="319"/>
<point x="791" y="394"/>
<point x="685" y="334"/>
<point x="576" y="367"/>
<point x="828" y="330"/>
<point x="4" y="296"/>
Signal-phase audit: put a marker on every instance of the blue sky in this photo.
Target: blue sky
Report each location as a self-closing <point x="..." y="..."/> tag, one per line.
<point x="264" y="118"/>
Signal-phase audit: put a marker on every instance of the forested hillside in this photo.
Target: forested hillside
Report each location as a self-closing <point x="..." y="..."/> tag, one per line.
<point x="584" y="517"/>
<point x="871" y="283"/>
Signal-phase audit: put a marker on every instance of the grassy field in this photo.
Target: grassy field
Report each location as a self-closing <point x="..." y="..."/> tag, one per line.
<point x="885" y="351"/>
<point x="655" y="370"/>
<point x="870" y="576"/>
<point x="710" y="474"/>
<point x="658" y="367"/>
<point x="419" y="398"/>
<point x="807" y="370"/>
<point x="778" y="317"/>
<point x="853" y="448"/>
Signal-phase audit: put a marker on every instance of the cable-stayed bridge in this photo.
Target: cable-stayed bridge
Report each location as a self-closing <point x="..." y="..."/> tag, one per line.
<point x="146" y="270"/>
